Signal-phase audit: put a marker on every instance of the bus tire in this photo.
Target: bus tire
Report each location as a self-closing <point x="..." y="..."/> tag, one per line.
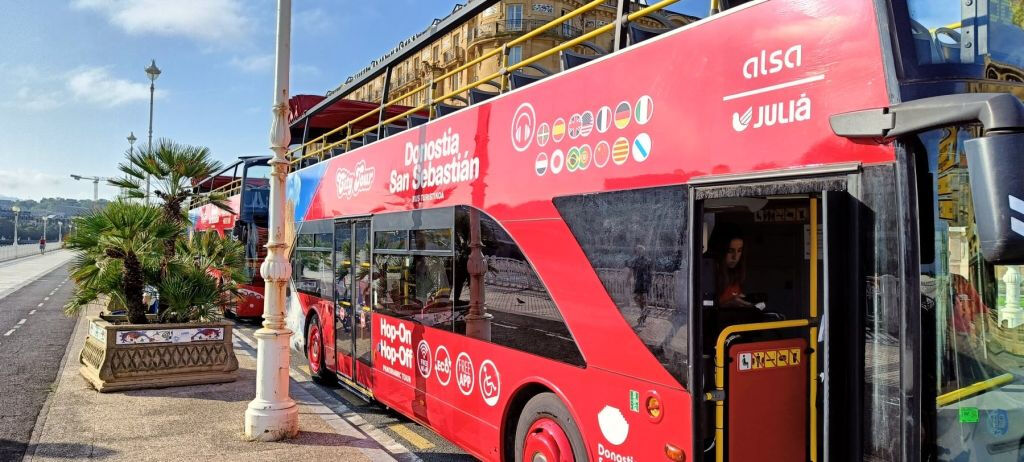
<point x="546" y="427"/>
<point x="315" y="353"/>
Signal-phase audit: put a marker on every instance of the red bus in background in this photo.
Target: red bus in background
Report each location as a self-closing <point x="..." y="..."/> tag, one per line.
<point x="748" y="238"/>
<point x="247" y="186"/>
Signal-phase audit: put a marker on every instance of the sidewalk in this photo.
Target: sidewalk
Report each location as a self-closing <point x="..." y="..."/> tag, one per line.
<point x="17" y="273"/>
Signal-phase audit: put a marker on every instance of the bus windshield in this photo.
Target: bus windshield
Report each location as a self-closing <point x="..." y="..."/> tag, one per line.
<point x="989" y="33"/>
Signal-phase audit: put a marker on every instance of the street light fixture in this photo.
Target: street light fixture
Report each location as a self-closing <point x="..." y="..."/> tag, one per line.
<point x="46" y="219"/>
<point x="153" y="72"/>
<point x="131" y="142"/>
<point x="16" y="210"/>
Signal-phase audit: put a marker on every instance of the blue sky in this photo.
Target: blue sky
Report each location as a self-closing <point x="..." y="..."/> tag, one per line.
<point x="72" y="84"/>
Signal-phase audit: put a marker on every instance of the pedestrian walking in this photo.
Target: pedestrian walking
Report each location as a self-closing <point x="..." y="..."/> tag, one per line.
<point x="42" y="245"/>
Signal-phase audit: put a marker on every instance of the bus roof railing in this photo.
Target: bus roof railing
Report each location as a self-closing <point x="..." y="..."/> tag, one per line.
<point x="232" y="187"/>
<point x="319" y="146"/>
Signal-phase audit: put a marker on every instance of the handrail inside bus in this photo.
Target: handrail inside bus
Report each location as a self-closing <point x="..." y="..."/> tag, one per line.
<point x="961" y="394"/>
<point x="720" y="370"/>
<point x="320" y="146"/>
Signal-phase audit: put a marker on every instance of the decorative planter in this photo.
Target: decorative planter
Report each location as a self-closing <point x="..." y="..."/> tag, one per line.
<point x="132" y="356"/>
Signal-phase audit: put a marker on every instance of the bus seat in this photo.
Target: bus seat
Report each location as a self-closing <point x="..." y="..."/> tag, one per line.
<point x="571" y="59"/>
<point x="392" y="129"/>
<point x="476" y="95"/>
<point x="923" y="44"/>
<point x="413" y="120"/>
<point x="442" y="109"/>
<point x="638" y="33"/>
<point x="354" y="144"/>
<point x="950" y="52"/>
<point x="369" y="138"/>
<point x="519" y="79"/>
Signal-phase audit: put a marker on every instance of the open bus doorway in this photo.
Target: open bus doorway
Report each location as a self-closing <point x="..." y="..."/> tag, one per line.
<point x="760" y="284"/>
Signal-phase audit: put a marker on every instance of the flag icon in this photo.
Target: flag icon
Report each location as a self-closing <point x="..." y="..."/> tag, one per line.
<point x="604" y="119"/>
<point x="585" y="156"/>
<point x="620" y="151"/>
<point x="558" y="130"/>
<point x="641" y="147"/>
<point x="602" y="152"/>
<point x="557" y="161"/>
<point x="586" y="123"/>
<point x="572" y="160"/>
<point x="541" y="164"/>
<point x="575" y="122"/>
<point x="644" y="110"/>
<point x="543" y="133"/>
<point x="622" y="115"/>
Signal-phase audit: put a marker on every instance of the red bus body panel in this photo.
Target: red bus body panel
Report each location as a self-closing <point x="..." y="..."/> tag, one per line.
<point x="211" y="217"/>
<point x="804" y="60"/>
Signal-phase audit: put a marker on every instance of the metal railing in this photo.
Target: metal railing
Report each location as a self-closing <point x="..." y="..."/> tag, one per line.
<point x="518" y="26"/>
<point x="228" y="190"/>
<point x="320" y="146"/>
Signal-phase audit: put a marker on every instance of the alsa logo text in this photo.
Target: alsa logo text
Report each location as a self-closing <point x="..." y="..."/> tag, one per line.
<point x="351" y="183"/>
<point x="767" y="63"/>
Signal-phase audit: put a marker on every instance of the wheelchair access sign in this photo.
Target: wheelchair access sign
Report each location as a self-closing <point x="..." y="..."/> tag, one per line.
<point x="769" y="359"/>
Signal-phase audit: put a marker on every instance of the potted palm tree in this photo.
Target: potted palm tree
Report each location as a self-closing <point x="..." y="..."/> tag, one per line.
<point x="129" y="252"/>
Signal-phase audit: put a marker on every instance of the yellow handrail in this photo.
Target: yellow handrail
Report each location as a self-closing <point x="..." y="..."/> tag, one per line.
<point x="318" y="146"/>
<point x="720" y="371"/>
<point x="973" y="389"/>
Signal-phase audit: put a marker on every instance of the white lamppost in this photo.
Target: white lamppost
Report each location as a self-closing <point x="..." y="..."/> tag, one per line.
<point x="60" y="231"/>
<point x="16" y="211"/>
<point x="273" y="415"/>
<point x="45" y="219"/>
<point x="153" y="72"/>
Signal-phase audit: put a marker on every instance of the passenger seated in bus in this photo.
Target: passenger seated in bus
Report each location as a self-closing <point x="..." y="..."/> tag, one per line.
<point x="730" y="272"/>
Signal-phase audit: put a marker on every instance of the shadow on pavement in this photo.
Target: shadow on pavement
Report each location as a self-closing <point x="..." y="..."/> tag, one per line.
<point x="13" y="450"/>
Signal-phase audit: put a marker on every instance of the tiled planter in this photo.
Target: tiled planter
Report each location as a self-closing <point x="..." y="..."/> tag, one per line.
<point x="131" y="356"/>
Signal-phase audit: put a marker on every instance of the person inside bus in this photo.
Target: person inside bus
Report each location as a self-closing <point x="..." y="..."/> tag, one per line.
<point x="640" y="269"/>
<point x="730" y="272"/>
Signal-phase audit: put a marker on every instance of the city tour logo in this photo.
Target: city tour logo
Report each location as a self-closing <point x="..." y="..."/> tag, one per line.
<point x="351" y="183"/>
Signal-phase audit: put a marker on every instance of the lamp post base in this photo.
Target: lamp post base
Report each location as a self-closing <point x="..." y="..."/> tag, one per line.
<point x="479" y="326"/>
<point x="266" y="422"/>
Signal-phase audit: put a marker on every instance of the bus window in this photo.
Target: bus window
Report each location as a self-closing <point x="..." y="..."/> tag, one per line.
<point x="976" y="310"/>
<point x="944" y="32"/>
<point x="414" y="287"/>
<point x="524" y="315"/>
<point x="635" y="241"/>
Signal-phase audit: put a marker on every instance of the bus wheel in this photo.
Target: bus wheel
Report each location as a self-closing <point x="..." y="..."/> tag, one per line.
<point x="546" y="432"/>
<point x="315" y="352"/>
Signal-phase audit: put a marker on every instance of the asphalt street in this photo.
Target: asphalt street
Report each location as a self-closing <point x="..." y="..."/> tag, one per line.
<point x="34" y="334"/>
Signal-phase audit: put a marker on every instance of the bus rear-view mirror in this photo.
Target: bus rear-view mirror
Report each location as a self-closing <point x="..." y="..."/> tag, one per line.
<point x="997" y="185"/>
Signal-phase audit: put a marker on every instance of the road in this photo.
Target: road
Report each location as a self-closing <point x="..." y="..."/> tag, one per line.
<point x="33" y="336"/>
<point x="394" y="428"/>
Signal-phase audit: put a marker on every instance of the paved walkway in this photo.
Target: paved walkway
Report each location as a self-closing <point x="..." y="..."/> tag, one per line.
<point x="15" y="274"/>
<point x="202" y="422"/>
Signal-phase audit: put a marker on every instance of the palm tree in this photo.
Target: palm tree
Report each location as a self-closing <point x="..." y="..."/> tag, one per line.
<point x="173" y="169"/>
<point x="221" y="257"/>
<point x="120" y="249"/>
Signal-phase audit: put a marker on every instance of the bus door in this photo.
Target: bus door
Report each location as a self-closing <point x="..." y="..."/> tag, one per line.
<point x="352" y="305"/>
<point x="760" y="280"/>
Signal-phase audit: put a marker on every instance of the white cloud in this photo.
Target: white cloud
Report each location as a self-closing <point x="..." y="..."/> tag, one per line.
<point x="35" y="100"/>
<point x="311" y="21"/>
<point x="254" y="64"/>
<point x="210" y="21"/>
<point x="33" y="184"/>
<point x="96" y="85"/>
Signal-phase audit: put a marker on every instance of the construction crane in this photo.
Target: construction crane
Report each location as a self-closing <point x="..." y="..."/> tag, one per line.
<point x="95" y="184"/>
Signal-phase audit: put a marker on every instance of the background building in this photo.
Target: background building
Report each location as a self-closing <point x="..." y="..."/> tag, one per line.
<point x="490" y="30"/>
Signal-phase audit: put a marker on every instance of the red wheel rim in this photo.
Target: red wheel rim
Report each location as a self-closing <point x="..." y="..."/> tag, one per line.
<point x="314" y="348"/>
<point x="546" y="442"/>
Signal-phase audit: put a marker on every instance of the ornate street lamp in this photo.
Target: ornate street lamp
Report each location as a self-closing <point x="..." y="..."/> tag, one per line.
<point x="153" y="72"/>
<point x="131" y="142"/>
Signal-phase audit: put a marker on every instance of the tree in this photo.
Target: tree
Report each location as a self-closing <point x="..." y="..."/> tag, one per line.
<point x="120" y="249"/>
<point x="173" y="169"/>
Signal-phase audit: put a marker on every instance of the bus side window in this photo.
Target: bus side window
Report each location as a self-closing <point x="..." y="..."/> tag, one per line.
<point x="524" y="315"/>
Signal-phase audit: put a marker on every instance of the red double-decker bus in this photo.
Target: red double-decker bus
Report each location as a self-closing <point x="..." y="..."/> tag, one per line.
<point x="246" y="184"/>
<point x="788" y="230"/>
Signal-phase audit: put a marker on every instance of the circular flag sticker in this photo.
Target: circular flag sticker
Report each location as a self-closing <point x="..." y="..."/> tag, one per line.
<point x="572" y="160"/>
<point x="523" y="123"/>
<point x="558" y="130"/>
<point x="585" y="156"/>
<point x="543" y="134"/>
<point x="644" y="110"/>
<point x="603" y="120"/>
<point x="622" y="115"/>
<point x="557" y="161"/>
<point x="541" y="165"/>
<point x="575" y="122"/>
<point x="641" y="147"/>
<point x="602" y="152"/>
<point x="586" y="123"/>
<point x="620" y="151"/>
